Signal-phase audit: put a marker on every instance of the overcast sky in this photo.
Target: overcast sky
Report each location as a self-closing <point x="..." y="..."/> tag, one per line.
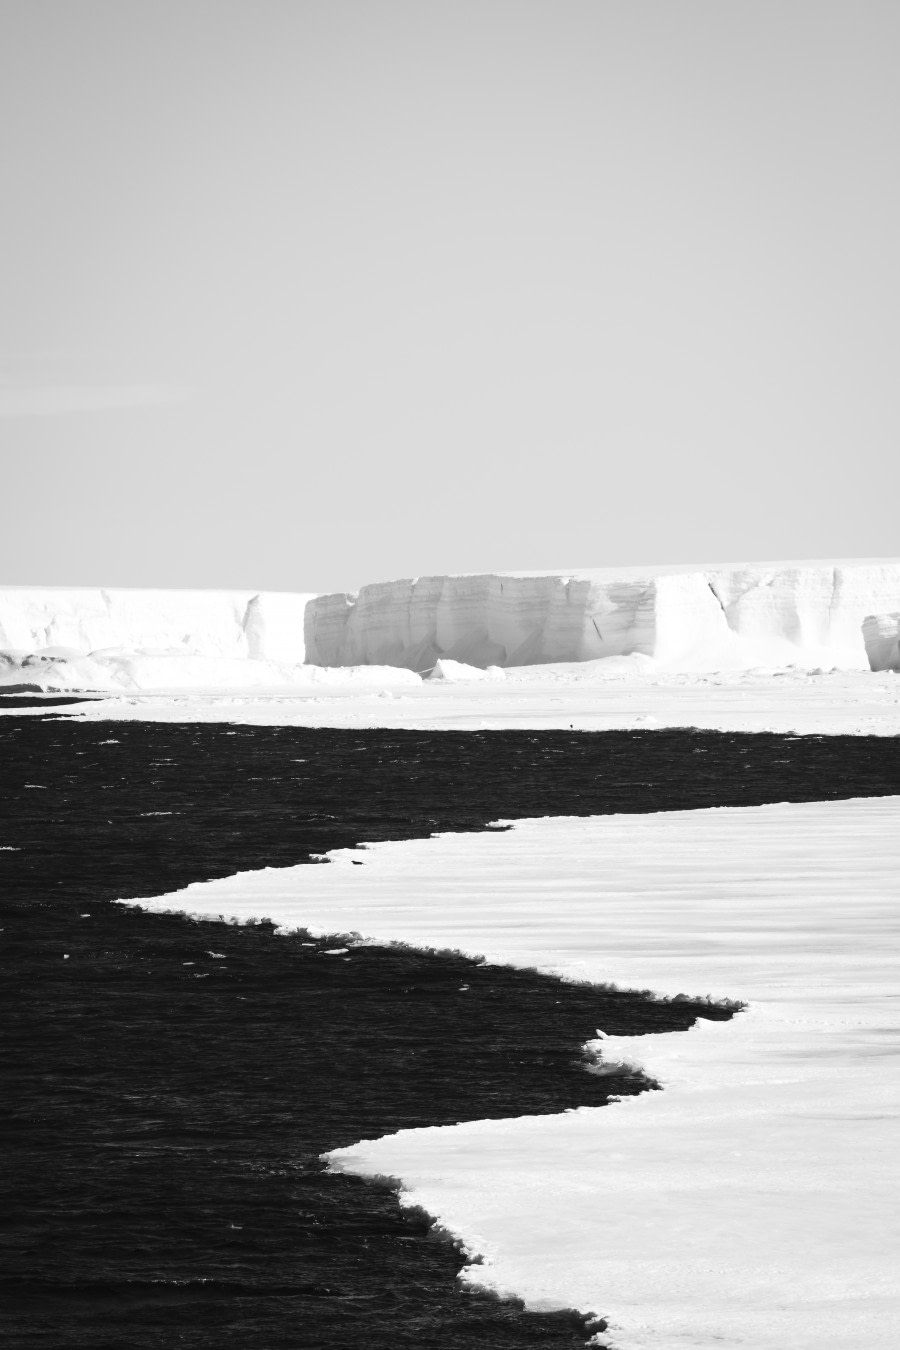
<point x="301" y="294"/>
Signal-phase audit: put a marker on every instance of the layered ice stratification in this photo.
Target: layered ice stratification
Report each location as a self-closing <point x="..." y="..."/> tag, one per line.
<point x="703" y="618"/>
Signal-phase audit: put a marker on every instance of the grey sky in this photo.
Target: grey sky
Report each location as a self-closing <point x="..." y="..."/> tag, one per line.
<point x="302" y="295"/>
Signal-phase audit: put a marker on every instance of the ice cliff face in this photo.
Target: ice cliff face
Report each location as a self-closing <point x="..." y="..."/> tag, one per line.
<point x="725" y="617"/>
<point x="263" y="626"/>
<point x="881" y="633"/>
<point x="813" y="614"/>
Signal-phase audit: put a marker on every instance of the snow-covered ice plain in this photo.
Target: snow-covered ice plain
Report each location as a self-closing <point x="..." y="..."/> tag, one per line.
<point x="545" y="697"/>
<point x="753" y="1200"/>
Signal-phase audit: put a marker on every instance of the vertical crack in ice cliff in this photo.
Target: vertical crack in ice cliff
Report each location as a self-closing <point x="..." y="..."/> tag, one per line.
<point x="718" y="599"/>
<point x="252" y="628"/>
<point x="835" y="596"/>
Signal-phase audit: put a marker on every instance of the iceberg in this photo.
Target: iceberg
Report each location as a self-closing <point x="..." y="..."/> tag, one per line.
<point x="735" y="617"/>
<point x="265" y="625"/>
<point x="93" y="638"/>
<point x="881" y="634"/>
<point x="595" y="623"/>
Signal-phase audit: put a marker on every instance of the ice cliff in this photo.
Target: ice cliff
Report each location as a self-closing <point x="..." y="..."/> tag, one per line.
<point x="681" y="619"/>
<point x="265" y="625"/>
<point x="881" y="633"/>
<point x="687" y="619"/>
<point x="92" y="638"/>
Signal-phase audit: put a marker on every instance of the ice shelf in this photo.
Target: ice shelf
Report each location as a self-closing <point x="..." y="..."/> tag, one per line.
<point x="727" y="617"/>
<point x="93" y="638"/>
<point x="741" y="617"/>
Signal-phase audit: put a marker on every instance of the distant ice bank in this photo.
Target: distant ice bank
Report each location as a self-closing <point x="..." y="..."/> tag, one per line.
<point x="844" y="615"/>
<point x="684" y="618"/>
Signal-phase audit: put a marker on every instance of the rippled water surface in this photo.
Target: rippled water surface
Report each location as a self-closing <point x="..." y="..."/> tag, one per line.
<point x="172" y="1083"/>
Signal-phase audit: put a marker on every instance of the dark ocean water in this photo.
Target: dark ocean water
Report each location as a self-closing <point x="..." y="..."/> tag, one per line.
<point x="165" y="1108"/>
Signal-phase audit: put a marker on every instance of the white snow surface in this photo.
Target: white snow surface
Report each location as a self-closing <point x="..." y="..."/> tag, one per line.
<point x="619" y="692"/>
<point x="701" y="618"/>
<point x="202" y="677"/>
<point x="750" y="1203"/>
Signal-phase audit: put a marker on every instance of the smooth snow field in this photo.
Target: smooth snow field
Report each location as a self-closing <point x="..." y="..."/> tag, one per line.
<point x="752" y="1201"/>
<point x="585" y="696"/>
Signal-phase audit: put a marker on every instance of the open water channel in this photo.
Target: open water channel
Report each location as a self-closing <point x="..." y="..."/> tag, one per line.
<point x="170" y="1084"/>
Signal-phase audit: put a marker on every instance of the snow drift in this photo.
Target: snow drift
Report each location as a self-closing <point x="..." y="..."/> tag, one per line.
<point x="740" y="616"/>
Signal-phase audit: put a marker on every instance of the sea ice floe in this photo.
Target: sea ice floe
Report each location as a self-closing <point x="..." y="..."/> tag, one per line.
<point x="752" y="1201"/>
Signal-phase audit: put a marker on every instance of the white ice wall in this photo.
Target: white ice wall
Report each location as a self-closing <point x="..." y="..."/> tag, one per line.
<point x="881" y="633"/>
<point x="716" y="618"/>
<point x="749" y="615"/>
<point x="262" y="625"/>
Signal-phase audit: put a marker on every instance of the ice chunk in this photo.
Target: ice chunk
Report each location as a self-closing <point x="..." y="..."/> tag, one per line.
<point x="445" y="669"/>
<point x="881" y="634"/>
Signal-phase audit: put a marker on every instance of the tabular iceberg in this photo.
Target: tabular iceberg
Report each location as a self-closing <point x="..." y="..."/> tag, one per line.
<point x="681" y="619"/>
<point x="741" y="616"/>
<point x="266" y="625"/>
<point x="92" y="638"/>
